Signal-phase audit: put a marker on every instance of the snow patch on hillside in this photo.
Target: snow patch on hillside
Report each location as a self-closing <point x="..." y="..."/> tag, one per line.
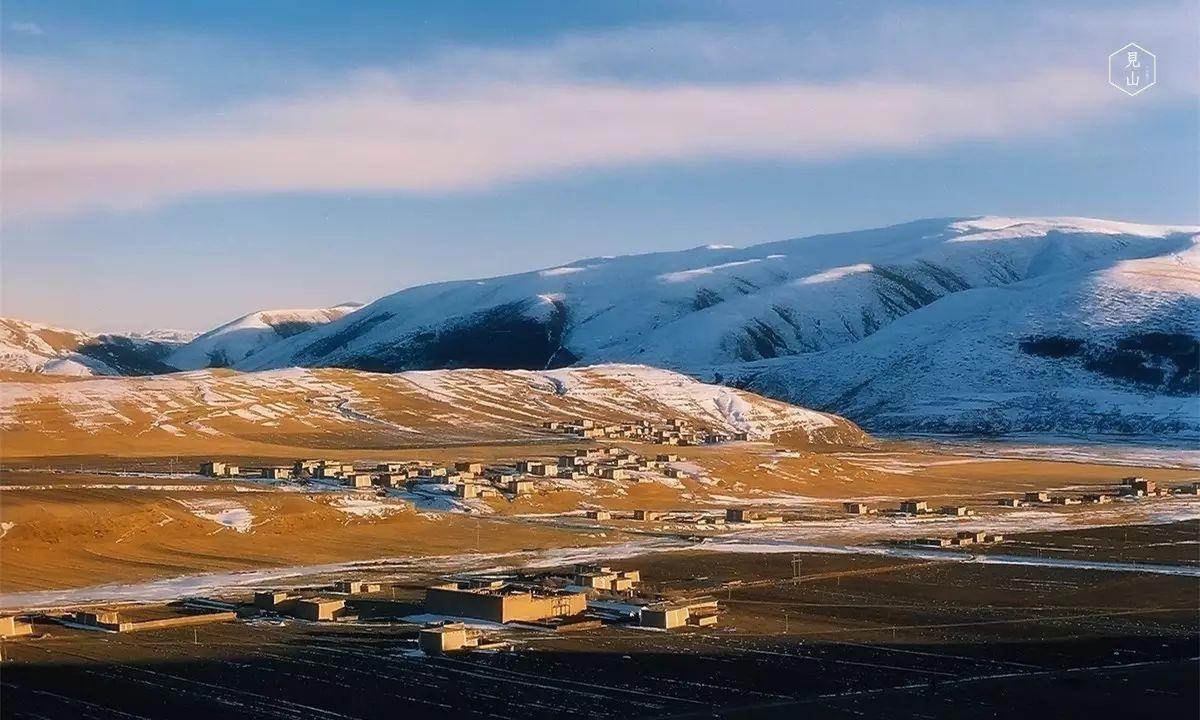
<point x="225" y="513"/>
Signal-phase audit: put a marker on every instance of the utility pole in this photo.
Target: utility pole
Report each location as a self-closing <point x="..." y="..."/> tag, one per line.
<point x="796" y="561"/>
<point x="786" y="626"/>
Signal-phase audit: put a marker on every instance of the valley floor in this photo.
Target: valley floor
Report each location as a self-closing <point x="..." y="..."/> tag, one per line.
<point x="80" y="522"/>
<point x="854" y="635"/>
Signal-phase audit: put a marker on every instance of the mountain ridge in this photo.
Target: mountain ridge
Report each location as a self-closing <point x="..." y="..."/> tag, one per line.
<point x="979" y="325"/>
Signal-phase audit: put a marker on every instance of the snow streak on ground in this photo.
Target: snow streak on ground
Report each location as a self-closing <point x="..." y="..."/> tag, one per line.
<point x="225" y="513"/>
<point x="366" y="507"/>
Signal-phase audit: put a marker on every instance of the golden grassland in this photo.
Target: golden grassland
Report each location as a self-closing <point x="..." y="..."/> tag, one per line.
<point x="220" y="411"/>
<point x="63" y="530"/>
<point x="67" y="522"/>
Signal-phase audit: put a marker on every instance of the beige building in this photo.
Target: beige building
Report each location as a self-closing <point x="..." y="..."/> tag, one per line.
<point x="275" y="473"/>
<point x="356" y="587"/>
<point x="329" y="470"/>
<point x="914" y="507"/>
<point x="856" y="508"/>
<point x="474" y="468"/>
<point x="356" y="480"/>
<point x="393" y="480"/>
<point x="743" y="515"/>
<point x="502" y="602"/>
<point x="646" y="515"/>
<point x="112" y="620"/>
<point x="305" y="467"/>
<point x="447" y="638"/>
<point x="598" y="515"/>
<point x="214" y="468"/>
<point x="955" y="511"/>
<point x="520" y="487"/>
<point x="602" y="577"/>
<point x="319" y="608"/>
<point x="12" y="626"/>
<point x="701" y="612"/>
<point x="1037" y="497"/>
<point x="278" y="600"/>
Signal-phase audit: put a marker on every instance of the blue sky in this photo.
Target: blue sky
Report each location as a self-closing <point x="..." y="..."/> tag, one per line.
<point x="179" y="164"/>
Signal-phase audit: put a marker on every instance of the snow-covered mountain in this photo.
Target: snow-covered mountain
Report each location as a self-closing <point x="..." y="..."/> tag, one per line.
<point x="942" y="320"/>
<point x="34" y="347"/>
<point x="1108" y="352"/>
<point x="978" y="325"/>
<point x="236" y="341"/>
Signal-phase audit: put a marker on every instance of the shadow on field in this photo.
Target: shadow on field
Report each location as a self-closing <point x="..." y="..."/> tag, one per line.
<point x="378" y="673"/>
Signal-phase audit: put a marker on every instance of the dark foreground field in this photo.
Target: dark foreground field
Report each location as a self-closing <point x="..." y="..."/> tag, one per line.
<point x="857" y="637"/>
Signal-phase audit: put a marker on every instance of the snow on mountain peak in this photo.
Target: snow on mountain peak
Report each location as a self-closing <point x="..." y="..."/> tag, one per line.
<point x="237" y="340"/>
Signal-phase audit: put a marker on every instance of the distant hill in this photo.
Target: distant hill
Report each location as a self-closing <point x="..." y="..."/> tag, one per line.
<point x="33" y="347"/>
<point x="212" y="410"/>
<point x="237" y="341"/>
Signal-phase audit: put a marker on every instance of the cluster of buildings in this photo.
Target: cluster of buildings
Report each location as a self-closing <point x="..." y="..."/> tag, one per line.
<point x="584" y="599"/>
<point x="676" y="431"/>
<point x="689" y="517"/>
<point x="966" y="537"/>
<point x="1130" y="487"/>
<point x="610" y="463"/>
<point x="747" y="515"/>
<point x="910" y="507"/>
<point x="315" y="607"/>
<point x="467" y="479"/>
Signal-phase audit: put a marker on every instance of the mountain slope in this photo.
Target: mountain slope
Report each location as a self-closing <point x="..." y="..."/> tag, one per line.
<point x="33" y="347"/>
<point x="205" y="410"/>
<point x="1113" y="351"/>
<point x="997" y="325"/>
<point x="236" y="341"/>
<point x="712" y="306"/>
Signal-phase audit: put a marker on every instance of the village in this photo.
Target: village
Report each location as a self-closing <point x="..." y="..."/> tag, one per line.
<point x="466" y="482"/>
<point x="676" y="431"/>
<point x="489" y="610"/>
<point x="459" y="613"/>
<point x="470" y="479"/>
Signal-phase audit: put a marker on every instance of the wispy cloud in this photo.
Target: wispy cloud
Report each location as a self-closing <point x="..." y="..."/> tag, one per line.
<point x="472" y="118"/>
<point x="25" y="27"/>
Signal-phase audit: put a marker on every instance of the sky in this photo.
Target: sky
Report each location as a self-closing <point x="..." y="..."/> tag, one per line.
<point x="179" y="164"/>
